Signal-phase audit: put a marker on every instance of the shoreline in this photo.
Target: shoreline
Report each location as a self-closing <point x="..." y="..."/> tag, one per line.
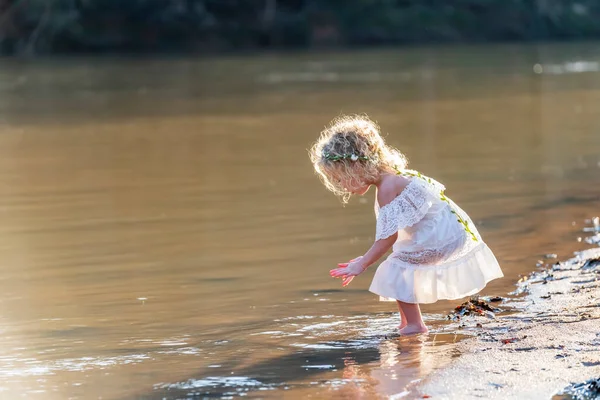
<point x="551" y="342"/>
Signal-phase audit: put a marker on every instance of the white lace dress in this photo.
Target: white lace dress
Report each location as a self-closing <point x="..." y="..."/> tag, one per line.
<point x="436" y="256"/>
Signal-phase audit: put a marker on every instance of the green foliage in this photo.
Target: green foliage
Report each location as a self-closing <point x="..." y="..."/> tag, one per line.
<point x="42" y="26"/>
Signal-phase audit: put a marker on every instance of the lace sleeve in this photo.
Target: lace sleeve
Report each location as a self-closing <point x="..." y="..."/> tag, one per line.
<point x="405" y="210"/>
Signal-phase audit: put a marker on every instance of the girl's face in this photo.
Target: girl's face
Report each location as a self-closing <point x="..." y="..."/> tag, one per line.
<point x="354" y="187"/>
<point x="349" y="181"/>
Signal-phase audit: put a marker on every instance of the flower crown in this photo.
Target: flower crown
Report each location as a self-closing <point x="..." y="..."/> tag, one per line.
<point x="353" y="157"/>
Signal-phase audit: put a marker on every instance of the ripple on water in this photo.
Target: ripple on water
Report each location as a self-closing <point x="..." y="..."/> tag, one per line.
<point x="327" y="366"/>
<point x="213" y="382"/>
<point x="312" y="350"/>
<point x="569" y="67"/>
<point x="33" y="367"/>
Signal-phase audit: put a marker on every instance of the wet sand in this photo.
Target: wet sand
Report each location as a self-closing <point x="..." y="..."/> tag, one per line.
<point x="552" y="342"/>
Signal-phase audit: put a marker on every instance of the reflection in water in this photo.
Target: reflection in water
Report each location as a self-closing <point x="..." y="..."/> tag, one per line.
<point x="375" y="361"/>
<point x="162" y="227"/>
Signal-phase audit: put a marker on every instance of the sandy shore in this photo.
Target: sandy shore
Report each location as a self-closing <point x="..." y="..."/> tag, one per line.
<point x="552" y="342"/>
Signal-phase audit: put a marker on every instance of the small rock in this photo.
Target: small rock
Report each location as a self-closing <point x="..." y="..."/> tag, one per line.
<point x="590" y="363"/>
<point x="593" y="239"/>
<point x="585" y="390"/>
<point x="591" y="263"/>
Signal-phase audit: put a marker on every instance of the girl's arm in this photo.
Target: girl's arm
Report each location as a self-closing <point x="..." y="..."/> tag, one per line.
<point x="376" y="251"/>
<point x="349" y="270"/>
<point x="390" y="188"/>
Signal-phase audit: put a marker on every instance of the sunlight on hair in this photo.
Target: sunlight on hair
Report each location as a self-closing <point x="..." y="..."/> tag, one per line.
<point x="351" y="151"/>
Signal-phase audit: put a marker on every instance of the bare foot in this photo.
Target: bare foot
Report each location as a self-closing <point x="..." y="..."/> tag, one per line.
<point x="413" y="329"/>
<point x="402" y="325"/>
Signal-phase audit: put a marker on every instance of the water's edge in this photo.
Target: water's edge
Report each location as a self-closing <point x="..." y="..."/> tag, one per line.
<point x="535" y="344"/>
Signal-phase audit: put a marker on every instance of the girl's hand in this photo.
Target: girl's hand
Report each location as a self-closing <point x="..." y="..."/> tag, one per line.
<point x="348" y="270"/>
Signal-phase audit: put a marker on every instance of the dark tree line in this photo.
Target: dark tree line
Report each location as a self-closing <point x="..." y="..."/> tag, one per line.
<point x="76" y="26"/>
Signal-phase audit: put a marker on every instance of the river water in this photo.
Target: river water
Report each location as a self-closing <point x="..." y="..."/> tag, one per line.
<point x="163" y="235"/>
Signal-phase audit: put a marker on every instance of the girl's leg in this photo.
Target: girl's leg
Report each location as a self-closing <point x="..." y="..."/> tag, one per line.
<point x="402" y="316"/>
<point x="414" y="320"/>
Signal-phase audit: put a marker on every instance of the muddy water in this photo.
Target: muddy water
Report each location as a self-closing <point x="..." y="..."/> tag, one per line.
<point x="163" y="235"/>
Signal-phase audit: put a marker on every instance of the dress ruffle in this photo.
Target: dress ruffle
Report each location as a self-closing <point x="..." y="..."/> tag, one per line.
<point x="460" y="277"/>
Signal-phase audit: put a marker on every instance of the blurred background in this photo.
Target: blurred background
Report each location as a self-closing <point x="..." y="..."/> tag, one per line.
<point x="108" y="26"/>
<point x="163" y="234"/>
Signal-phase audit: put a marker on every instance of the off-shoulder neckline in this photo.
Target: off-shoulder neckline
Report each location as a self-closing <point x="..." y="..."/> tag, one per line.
<point x="411" y="181"/>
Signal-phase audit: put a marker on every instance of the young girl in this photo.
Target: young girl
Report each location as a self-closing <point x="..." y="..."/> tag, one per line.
<point x="437" y="252"/>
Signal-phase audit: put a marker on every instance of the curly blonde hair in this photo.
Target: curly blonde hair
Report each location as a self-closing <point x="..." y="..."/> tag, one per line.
<point x="351" y="151"/>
